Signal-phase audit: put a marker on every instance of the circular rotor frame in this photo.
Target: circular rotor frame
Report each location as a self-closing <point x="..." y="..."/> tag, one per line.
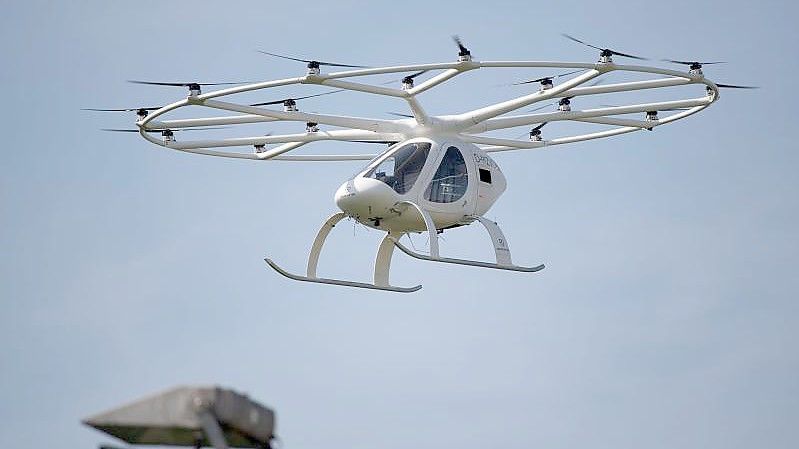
<point x="469" y="126"/>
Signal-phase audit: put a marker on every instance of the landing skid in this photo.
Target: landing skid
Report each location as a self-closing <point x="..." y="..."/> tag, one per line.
<point x="473" y="263"/>
<point x="343" y="283"/>
<point x="501" y="249"/>
<point x="386" y="249"/>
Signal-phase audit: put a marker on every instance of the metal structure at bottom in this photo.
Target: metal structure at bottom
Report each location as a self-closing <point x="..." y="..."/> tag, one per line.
<point x="190" y="416"/>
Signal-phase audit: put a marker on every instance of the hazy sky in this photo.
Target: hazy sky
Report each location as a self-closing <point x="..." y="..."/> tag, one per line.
<point x="666" y="316"/>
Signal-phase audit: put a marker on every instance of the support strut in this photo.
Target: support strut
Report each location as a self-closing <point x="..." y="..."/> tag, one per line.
<point x="382" y="262"/>
<point x="501" y="249"/>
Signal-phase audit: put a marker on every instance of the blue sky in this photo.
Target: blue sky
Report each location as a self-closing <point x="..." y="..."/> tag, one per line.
<point x="666" y="316"/>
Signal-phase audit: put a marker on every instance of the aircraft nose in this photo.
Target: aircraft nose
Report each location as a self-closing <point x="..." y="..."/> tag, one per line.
<point x="366" y="198"/>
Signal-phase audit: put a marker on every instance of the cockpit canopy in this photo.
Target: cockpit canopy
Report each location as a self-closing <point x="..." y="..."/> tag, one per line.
<point x="402" y="167"/>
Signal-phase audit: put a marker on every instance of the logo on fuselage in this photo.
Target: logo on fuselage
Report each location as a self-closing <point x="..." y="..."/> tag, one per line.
<point x="483" y="159"/>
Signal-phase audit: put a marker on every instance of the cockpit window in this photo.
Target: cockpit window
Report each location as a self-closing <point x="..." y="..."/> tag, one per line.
<point x="402" y="167"/>
<point x="451" y="179"/>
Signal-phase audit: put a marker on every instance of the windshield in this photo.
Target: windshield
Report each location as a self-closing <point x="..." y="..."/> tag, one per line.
<point x="402" y="167"/>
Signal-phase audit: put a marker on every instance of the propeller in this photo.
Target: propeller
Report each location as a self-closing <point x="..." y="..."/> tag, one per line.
<point x="399" y="114"/>
<point x="605" y="52"/>
<point x="290" y="99"/>
<point x="314" y="63"/>
<point x="189" y="85"/>
<point x="534" y="133"/>
<point x="693" y="65"/>
<point x="546" y="78"/>
<point x="733" y="86"/>
<point x="125" y="130"/>
<point x="123" y="109"/>
<point x="407" y="79"/>
<point x="663" y="109"/>
<point x="141" y="112"/>
<point x="384" y="142"/>
<point x="463" y="52"/>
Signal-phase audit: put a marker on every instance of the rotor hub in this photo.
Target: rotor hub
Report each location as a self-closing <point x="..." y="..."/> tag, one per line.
<point x="194" y="89"/>
<point x="168" y="135"/>
<point x="546" y="83"/>
<point x="290" y="105"/>
<point x="142" y="113"/>
<point x="314" y="68"/>
<point x="407" y="83"/>
<point x="311" y="127"/>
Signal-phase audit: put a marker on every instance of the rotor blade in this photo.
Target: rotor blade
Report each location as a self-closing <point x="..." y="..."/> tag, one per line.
<point x="199" y="128"/>
<point x="538" y="80"/>
<point x="539" y="126"/>
<point x="412" y="76"/>
<point x="459" y="43"/>
<point x="399" y="114"/>
<point x="578" y="40"/>
<point x="121" y="110"/>
<point x="693" y="62"/>
<point x="159" y="83"/>
<point x="384" y="142"/>
<point x="618" y="53"/>
<point x="118" y="130"/>
<point x="155" y="83"/>
<point x="283" y="56"/>
<point x="664" y="109"/>
<point x="266" y="103"/>
<point x="733" y="86"/>
<point x="334" y="64"/>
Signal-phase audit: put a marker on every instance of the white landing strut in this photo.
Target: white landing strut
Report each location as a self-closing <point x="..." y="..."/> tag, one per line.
<point x="501" y="250"/>
<point x="382" y="263"/>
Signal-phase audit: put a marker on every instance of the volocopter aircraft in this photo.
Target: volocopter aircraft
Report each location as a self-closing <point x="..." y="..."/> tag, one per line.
<point x="437" y="173"/>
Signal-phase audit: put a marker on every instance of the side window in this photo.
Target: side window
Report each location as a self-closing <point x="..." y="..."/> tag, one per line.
<point x="485" y="175"/>
<point x="402" y="167"/>
<point x="451" y="179"/>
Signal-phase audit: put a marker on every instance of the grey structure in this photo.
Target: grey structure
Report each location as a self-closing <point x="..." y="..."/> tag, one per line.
<point x="190" y="416"/>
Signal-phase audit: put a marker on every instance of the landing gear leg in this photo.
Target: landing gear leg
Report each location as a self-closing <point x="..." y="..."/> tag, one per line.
<point x="382" y="262"/>
<point x="501" y="249"/>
